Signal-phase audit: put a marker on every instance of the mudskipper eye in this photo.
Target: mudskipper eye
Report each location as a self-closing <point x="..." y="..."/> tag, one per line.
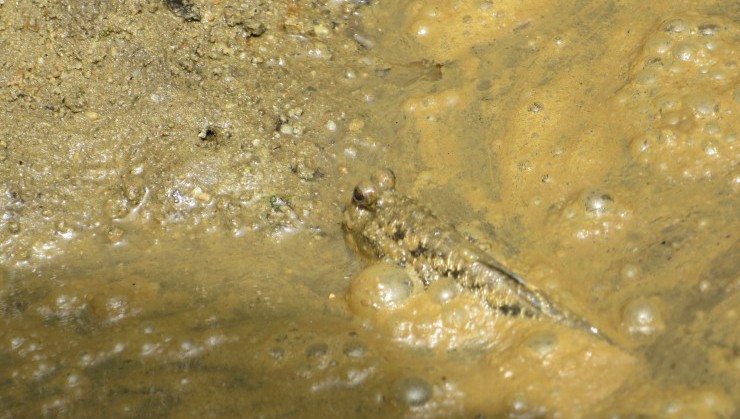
<point x="365" y="195"/>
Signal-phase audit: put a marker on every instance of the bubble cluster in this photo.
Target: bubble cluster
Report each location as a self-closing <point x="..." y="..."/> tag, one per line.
<point x="325" y="362"/>
<point x="445" y="29"/>
<point x="685" y="81"/>
<point x="440" y="316"/>
<point x="590" y="213"/>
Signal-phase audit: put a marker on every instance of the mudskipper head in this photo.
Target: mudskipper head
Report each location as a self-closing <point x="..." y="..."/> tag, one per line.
<point x="366" y="200"/>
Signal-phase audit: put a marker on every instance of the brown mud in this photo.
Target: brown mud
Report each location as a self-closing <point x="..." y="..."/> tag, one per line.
<point x="173" y="173"/>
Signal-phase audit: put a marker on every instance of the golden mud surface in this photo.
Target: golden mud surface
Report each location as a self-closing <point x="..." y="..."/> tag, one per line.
<point x="172" y="180"/>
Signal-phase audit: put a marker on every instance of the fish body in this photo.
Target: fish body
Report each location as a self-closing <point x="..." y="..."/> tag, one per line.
<point x="386" y="225"/>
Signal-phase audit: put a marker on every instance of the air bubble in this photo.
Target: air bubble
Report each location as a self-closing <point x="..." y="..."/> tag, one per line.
<point x="702" y="104"/>
<point x="149" y="349"/>
<point x="659" y="44"/>
<point x="708" y="29"/>
<point x="354" y="349"/>
<point x="642" y="317"/>
<point x="421" y="30"/>
<point x="712" y="128"/>
<point x="672" y="119"/>
<point x="117" y="308"/>
<point x="710" y="148"/>
<point x="629" y="272"/>
<point x="379" y="287"/>
<point x="717" y="76"/>
<point x="598" y="202"/>
<point x="443" y="290"/>
<point x="669" y="102"/>
<point x="684" y="51"/>
<point x="412" y="391"/>
<point x="711" y="45"/>
<point x="114" y="234"/>
<point x="73" y="380"/>
<point x="317" y="350"/>
<point x="675" y="25"/>
<point x="646" y="77"/>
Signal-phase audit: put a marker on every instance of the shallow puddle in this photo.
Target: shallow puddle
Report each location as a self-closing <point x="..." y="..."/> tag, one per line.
<point x="171" y="255"/>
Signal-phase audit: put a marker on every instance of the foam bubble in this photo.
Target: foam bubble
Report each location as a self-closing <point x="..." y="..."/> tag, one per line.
<point x="642" y="317"/>
<point x="412" y="391"/>
<point x="379" y="287"/>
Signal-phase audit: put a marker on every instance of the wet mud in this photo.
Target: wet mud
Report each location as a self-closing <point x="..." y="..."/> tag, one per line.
<point x="173" y="176"/>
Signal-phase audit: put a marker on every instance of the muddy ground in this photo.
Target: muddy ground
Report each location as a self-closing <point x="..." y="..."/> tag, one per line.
<point x="173" y="173"/>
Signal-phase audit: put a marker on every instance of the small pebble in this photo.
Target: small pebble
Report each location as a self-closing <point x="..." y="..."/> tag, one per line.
<point x="114" y="234"/>
<point x="14" y="227"/>
<point x="286" y="129"/>
<point x="536" y="107"/>
<point x="356" y="125"/>
<point x="320" y="30"/>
